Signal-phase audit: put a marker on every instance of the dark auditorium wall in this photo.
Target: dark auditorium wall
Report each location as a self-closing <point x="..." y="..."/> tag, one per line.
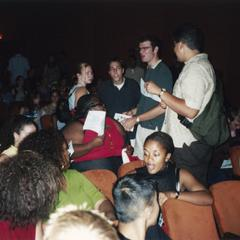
<point x="95" y="32"/>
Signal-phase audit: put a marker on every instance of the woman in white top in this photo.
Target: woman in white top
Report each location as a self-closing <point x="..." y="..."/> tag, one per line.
<point x="84" y="77"/>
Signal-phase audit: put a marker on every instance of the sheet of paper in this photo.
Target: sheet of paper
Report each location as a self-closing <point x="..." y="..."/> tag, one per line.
<point x="121" y="117"/>
<point x="146" y="94"/>
<point x="95" y="121"/>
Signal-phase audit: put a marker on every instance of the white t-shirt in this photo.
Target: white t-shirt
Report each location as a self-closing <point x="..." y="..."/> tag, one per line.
<point x="195" y="85"/>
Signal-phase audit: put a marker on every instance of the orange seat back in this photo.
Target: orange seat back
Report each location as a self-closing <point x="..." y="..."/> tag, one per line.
<point x="184" y="221"/>
<point x="103" y="179"/>
<point x="226" y="206"/>
<point x="129" y="167"/>
<point x="235" y="159"/>
<point x="47" y="122"/>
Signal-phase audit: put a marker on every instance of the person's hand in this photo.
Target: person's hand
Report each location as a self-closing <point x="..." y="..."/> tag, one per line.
<point x="129" y="123"/>
<point x="152" y="88"/>
<point x="163" y="105"/>
<point x="98" y="141"/>
<point x="130" y="112"/>
<point x="164" y="196"/>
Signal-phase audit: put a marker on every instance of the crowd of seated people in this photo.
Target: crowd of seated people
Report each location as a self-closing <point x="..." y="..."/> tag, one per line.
<point x="42" y="170"/>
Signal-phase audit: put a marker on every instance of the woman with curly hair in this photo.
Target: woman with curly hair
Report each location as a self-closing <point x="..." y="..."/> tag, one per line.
<point x="28" y="190"/>
<point x="12" y="133"/>
<point x="78" y="189"/>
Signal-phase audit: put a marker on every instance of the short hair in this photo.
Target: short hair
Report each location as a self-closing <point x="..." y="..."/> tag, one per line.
<point x="155" y="41"/>
<point x="191" y="35"/>
<point x="118" y="60"/>
<point x="162" y="138"/>
<point x="131" y="194"/>
<point x="28" y="188"/>
<point x="78" y="223"/>
<point x="14" y="125"/>
<point x="48" y="142"/>
<point x="84" y="104"/>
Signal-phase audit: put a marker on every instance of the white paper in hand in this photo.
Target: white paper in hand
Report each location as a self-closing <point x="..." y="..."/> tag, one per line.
<point x="95" y="121"/>
<point x="121" y="117"/>
<point x="147" y="94"/>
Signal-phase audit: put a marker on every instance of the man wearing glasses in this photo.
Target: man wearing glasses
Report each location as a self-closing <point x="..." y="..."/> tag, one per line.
<point x="149" y="114"/>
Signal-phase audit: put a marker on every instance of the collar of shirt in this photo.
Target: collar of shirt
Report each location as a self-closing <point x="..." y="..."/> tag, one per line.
<point x="120" y="85"/>
<point x="197" y="57"/>
<point x="155" y="65"/>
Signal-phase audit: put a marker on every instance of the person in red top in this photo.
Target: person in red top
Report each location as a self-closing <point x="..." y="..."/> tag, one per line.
<point x="90" y="150"/>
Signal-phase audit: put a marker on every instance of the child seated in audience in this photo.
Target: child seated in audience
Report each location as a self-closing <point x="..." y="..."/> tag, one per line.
<point x="73" y="223"/>
<point x="171" y="182"/>
<point x="137" y="209"/>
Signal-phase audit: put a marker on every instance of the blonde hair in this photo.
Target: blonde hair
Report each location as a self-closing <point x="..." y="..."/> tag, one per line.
<point x="73" y="223"/>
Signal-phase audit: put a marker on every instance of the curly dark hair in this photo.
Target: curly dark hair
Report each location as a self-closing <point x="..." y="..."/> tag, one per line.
<point x="48" y="142"/>
<point x="29" y="186"/>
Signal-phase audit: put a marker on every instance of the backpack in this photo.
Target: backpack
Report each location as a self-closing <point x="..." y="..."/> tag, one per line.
<point x="211" y="125"/>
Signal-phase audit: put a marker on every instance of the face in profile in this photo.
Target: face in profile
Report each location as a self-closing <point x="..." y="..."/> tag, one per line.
<point x="24" y="132"/>
<point x="155" y="156"/>
<point x="147" y="53"/>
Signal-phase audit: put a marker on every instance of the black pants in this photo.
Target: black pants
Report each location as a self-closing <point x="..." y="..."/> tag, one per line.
<point x="194" y="158"/>
<point x="111" y="163"/>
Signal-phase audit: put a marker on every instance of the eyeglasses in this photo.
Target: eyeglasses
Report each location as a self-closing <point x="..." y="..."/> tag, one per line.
<point x="144" y="48"/>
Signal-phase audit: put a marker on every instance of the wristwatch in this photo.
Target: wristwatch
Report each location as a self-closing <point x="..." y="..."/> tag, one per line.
<point x="137" y="119"/>
<point x="163" y="90"/>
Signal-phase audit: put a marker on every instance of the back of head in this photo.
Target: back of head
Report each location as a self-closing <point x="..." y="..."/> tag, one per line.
<point x="78" y="224"/>
<point x="84" y="104"/>
<point x="28" y="188"/>
<point x="191" y="35"/>
<point x="132" y="194"/>
<point x="48" y="143"/>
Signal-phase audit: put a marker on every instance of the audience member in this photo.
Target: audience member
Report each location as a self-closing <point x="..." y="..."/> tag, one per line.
<point x="133" y="71"/>
<point x="19" y="91"/>
<point x="121" y="94"/>
<point x="18" y="66"/>
<point x="74" y="223"/>
<point x="171" y="182"/>
<point x="77" y="189"/>
<point x="137" y="209"/>
<point x="13" y="132"/>
<point x="50" y="108"/>
<point x="84" y="77"/>
<point x="51" y="72"/>
<point x="90" y="150"/>
<point x="149" y="114"/>
<point x="28" y="190"/>
<point x="192" y="91"/>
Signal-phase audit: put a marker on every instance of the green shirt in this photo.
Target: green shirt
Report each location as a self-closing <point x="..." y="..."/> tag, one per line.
<point x="79" y="190"/>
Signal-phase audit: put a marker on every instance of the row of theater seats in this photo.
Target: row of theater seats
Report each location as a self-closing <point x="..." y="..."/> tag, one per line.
<point x="186" y="221"/>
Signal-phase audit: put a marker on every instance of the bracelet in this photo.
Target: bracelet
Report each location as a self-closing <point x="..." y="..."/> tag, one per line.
<point x="177" y="194"/>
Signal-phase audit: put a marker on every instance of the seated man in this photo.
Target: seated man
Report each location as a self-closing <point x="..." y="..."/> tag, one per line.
<point x="137" y="209"/>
